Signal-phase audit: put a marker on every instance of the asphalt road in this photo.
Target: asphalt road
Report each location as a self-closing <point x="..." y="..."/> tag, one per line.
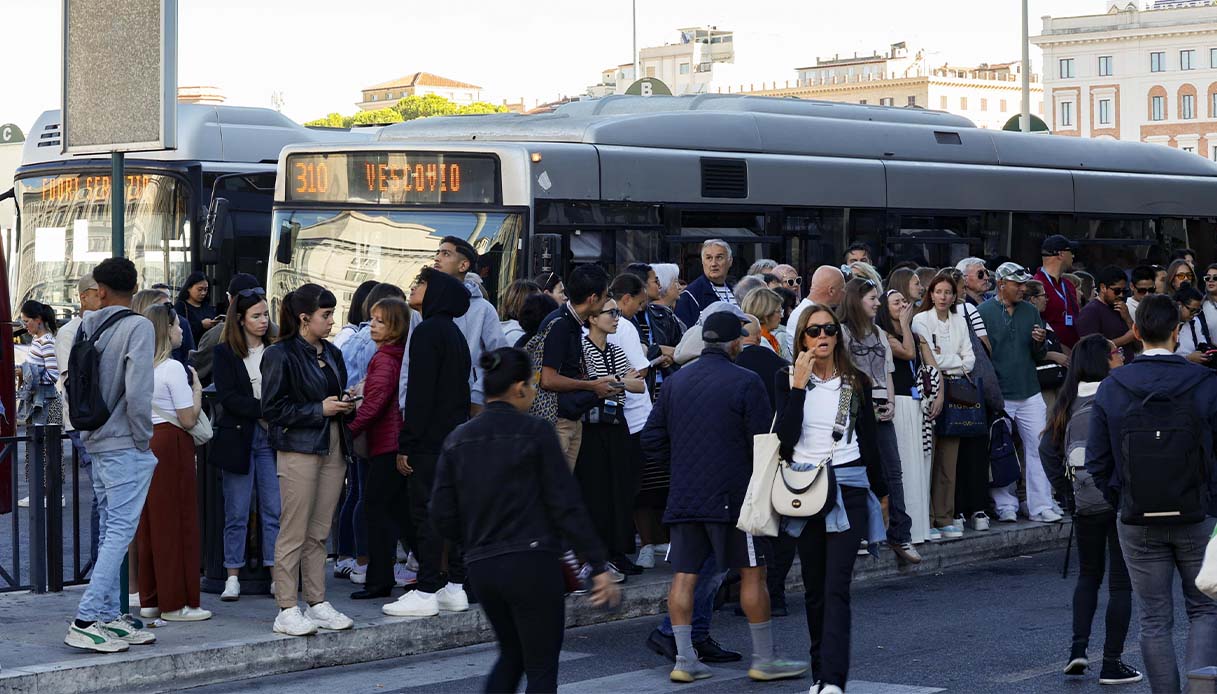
<point x="999" y="627"/>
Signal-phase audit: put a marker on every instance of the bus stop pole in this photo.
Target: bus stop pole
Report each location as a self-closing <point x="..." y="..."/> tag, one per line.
<point x="118" y="204"/>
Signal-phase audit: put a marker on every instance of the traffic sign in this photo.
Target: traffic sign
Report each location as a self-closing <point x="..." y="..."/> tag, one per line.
<point x="649" y="86"/>
<point x="10" y="133"/>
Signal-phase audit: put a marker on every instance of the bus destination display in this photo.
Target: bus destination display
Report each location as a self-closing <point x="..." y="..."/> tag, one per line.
<point x="397" y="178"/>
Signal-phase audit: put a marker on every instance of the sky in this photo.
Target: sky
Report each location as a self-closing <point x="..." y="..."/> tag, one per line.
<point x="319" y="53"/>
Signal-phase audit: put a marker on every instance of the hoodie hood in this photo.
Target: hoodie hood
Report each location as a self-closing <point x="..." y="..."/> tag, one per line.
<point x="1170" y="375"/>
<point x="445" y="296"/>
<point x="475" y="289"/>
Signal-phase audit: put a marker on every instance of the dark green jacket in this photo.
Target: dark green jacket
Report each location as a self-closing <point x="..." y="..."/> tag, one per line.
<point x="1014" y="352"/>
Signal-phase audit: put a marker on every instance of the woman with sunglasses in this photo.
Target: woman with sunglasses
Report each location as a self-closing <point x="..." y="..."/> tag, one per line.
<point x="867" y="346"/>
<point x="1063" y="454"/>
<point x="1195" y="342"/>
<point x="168" y="534"/>
<point x="608" y="483"/>
<point x="944" y="330"/>
<point x="826" y="417"/>
<point x="1209" y="308"/>
<point x="1180" y="273"/>
<point x="241" y="445"/>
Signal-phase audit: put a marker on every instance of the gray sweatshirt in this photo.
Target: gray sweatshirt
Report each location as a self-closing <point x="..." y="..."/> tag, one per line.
<point x="126" y="382"/>
<point x="483" y="332"/>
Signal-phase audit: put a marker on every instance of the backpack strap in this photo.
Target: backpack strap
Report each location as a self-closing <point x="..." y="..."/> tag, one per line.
<point x="1204" y="328"/>
<point x="116" y="317"/>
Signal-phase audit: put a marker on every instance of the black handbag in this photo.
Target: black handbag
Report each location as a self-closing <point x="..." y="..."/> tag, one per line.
<point x="962" y="391"/>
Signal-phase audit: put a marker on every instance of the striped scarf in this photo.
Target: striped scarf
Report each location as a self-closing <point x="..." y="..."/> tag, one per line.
<point x="931" y="375"/>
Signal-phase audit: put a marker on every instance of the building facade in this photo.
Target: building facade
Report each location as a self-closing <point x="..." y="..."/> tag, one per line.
<point x="386" y="94"/>
<point x="695" y="65"/>
<point x="1147" y="75"/>
<point x="988" y="94"/>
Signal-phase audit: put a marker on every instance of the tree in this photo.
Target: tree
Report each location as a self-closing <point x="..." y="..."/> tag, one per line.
<point x="378" y="117"/>
<point x="334" y="120"/>
<point x="478" y="107"/>
<point x="412" y="107"/>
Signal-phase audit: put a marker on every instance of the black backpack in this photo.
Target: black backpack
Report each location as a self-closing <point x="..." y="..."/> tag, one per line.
<point x="87" y="409"/>
<point x="1165" y="445"/>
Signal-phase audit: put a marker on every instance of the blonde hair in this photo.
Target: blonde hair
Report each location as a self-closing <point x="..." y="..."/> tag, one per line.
<point x="163" y="318"/>
<point x="395" y="313"/>
<point x="761" y="302"/>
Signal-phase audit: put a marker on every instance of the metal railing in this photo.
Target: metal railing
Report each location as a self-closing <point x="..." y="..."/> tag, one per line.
<point x="46" y="541"/>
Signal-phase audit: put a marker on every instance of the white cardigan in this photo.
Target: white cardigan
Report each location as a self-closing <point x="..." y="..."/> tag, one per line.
<point x="954" y="346"/>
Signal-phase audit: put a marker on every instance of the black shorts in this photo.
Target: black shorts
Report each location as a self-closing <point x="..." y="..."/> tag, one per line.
<point x="731" y="547"/>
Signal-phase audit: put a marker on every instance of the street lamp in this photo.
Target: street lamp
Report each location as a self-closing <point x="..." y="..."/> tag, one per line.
<point x="634" y="24"/>
<point x="1025" y="121"/>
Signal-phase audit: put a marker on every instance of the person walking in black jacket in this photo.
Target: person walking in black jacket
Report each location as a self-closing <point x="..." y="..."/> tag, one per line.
<point x="508" y="465"/>
<point x="304" y="398"/>
<point x="437" y="402"/>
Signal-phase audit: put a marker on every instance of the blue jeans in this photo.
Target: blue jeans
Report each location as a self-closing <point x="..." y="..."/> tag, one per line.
<point x="238" y="496"/>
<point x="1154" y="554"/>
<point x="352" y="524"/>
<point x="708" y="581"/>
<point x="120" y="483"/>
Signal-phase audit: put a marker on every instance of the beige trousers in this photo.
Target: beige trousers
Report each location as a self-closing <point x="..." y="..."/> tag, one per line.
<point x="309" y="487"/>
<point x="942" y="481"/>
<point x="570" y="435"/>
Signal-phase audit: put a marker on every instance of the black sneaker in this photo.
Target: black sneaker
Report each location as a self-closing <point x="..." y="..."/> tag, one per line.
<point x="1078" y="662"/>
<point x="1119" y="673"/>
<point x="662" y="644"/>
<point x="711" y="651"/>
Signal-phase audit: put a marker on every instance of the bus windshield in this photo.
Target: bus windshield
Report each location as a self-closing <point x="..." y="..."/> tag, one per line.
<point x="65" y="232"/>
<point x="340" y="249"/>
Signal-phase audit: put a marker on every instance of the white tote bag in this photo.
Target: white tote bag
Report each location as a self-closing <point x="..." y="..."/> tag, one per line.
<point x="756" y="516"/>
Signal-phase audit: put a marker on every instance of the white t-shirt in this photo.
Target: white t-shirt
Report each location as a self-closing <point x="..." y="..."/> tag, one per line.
<point x="253" y="366"/>
<point x="819" y="418"/>
<point x="170" y="391"/>
<point x="637" y="405"/>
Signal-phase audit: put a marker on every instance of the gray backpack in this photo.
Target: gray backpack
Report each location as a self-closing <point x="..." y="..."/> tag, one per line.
<point x="1087" y="498"/>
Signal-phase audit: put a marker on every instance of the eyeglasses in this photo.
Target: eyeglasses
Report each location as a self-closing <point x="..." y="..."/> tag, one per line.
<point x="614" y="312"/>
<point x="256" y="291"/>
<point x="1210" y="278"/>
<point x="1184" y="276"/>
<point x="794" y="282"/>
<point x="1148" y="290"/>
<point x="1118" y="291"/>
<point x="982" y="274"/>
<point x="829" y="330"/>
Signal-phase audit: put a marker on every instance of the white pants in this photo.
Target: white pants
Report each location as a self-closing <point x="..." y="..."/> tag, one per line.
<point x="1031" y="417"/>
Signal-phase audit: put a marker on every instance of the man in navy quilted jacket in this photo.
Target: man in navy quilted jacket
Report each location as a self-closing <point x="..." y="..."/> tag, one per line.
<point x="703" y="422"/>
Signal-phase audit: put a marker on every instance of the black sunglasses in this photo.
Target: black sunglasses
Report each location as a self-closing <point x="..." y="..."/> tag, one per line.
<point x="794" y="282"/>
<point x="1118" y="291"/>
<point x="829" y="329"/>
<point x="614" y="312"/>
<point x="1210" y="278"/>
<point x="1148" y="290"/>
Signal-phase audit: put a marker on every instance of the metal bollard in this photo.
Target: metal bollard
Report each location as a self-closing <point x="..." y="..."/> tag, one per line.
<point x="38" y="534"/>
<point x="53" y="445"/>
<point x="1202" y="681"/>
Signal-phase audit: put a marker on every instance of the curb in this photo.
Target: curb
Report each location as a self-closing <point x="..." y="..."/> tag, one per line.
<point x="269" y="654"/>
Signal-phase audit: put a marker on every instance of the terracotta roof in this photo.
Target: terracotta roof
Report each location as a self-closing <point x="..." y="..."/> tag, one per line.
<point x="421" y="79"/>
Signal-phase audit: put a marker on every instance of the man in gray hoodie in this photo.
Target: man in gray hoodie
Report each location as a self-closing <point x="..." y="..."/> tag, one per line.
<point x="480" y="325"/>
<point x="122" y="458"/>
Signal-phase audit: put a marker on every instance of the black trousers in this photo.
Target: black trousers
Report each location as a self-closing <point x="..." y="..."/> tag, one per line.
<point x="972" y="476"/>
<point x="430" y="548"/>
<point x="1098" y="553"/>
<point x="782" y="550"/>
<point x="522" y="596"/>
<point x="828" y="569"/>
<point x="386" y="504"/>
<point x="607" y="473"/>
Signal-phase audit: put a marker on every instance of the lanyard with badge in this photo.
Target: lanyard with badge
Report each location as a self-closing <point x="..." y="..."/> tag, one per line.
<point x="1064" y="298"/>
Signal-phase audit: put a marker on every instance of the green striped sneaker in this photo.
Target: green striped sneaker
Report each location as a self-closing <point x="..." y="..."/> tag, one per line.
<point x="124" y="629"/>
<point x="94" y="638"/>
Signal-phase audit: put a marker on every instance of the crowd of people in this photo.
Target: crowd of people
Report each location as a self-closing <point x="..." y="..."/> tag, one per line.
<point x="604" y="425"/>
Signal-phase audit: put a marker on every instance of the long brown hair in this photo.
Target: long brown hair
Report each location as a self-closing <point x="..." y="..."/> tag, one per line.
<point x="233" y="332"/>
<point x="927" y="297"/>
<point x="840" y="355"/>
<point x="852" y="314"/>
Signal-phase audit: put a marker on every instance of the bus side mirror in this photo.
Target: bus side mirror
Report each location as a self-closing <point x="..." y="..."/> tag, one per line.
<point x="286" y="244"/>
<point x="546" y="253"/>
<point x="216" y="229"/>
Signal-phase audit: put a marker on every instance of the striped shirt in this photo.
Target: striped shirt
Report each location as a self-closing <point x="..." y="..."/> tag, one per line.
<point x="612" y="361"/>
<point x="42" y="353"/>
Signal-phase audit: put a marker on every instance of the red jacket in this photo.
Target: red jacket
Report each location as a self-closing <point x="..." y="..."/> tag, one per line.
<point x="378" y="414"/>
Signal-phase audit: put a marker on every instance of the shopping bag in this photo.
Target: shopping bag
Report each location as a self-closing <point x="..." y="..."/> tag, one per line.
<point x="756" y="515"/>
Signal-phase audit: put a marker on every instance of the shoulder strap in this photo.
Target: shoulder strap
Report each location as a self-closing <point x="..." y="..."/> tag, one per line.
<point x="1204" y="328"/>
<point x="117" y="316"/>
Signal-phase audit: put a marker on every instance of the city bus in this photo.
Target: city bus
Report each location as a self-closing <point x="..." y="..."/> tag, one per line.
<point x="626" y="179"/>
<point x="64" y="203"/>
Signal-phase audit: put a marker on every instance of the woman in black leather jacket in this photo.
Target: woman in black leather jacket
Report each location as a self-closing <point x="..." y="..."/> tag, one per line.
<point x="508" y="466"/>
<point x="304" y="399"/>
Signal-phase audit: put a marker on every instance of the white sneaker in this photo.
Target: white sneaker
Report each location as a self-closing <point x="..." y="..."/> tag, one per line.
<point x="186" y="614"/>
<point x="980" y="521"/>
<point x="452" y="598"/>
<point x="149" y="612"/>
<point x="646" y="557"/>
<point x="133" y="600"/>
<point x="359" y="574"/>
<point x="413" y="604"/>
<point x="1007" y="516"/>
<point x="325" y="616"/>
<point x="293" y="623"/>
<point x="24" y="502"/>
<point x="412" y="563"/>
<point x="124" y="628"/>
<point x="232" y="589"/>
<point x="344" y="567"/>
<point x="403" y="576"/>
<point x="933" y="535"/>
<point x="830" y="689"/>
<point x="1047" y="516"/>
<point x="94" y="638"/>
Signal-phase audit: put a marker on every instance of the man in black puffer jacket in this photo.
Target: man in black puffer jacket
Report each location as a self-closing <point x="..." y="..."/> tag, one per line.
<point x="437" y="401"/>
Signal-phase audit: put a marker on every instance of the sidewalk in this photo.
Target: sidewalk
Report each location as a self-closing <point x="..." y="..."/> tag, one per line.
<point x="237" y="642"/>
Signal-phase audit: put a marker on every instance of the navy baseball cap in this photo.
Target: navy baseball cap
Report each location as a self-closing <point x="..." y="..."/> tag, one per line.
<point x="723" y="326"/>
